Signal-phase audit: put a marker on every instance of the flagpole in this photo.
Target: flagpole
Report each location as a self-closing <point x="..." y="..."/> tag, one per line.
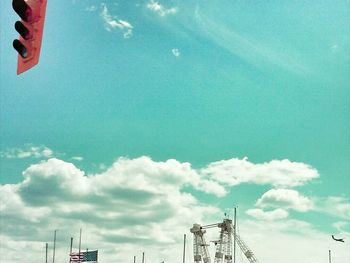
<point x="79" y="243"/>
<point x="71" y="248"/>
<point x="46" y="249"/>
<point x="184" y="251"/>
<point x="71" y="245"/>
<point x="54" y="246"/>
<point x="234" y="235"/>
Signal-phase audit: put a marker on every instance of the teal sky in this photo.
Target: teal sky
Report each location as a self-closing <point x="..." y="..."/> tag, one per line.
<point x="194" y="81"/>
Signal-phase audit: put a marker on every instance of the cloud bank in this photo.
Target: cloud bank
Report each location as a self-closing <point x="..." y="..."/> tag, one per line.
<point x="128" y="205"/>
<point x="134" y="205"/>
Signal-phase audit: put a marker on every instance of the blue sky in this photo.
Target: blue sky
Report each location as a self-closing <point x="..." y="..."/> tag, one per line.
<point x="250" y="99"/>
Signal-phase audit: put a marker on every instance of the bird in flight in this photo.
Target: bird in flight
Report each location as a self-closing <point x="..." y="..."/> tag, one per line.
<point x="338" y="239"/>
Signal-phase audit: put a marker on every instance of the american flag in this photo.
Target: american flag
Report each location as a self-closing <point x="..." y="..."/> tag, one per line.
<point x="76" y="258"/>
<point x="88" y="256"/>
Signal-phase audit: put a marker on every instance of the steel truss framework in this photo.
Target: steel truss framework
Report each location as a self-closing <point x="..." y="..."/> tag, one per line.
<point x="223" y="251"/>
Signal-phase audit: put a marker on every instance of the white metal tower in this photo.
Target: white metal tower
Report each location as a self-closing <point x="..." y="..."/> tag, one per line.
<point x="200" y="247"/>
<point x="223" y="251"/>
<point x="224" y="247"/>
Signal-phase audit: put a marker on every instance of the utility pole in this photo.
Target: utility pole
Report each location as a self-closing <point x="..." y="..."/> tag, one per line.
<point x="134" y="259"/>
<point x="234" y="234"/>
<point x="184" y="251"/>
<point x="329" y="256"/>
<point x="54" y="247"/>
<point x="143" y="257"/>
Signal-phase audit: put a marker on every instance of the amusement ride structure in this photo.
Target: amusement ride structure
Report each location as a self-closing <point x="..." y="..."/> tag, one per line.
<point x="223" y="251"/>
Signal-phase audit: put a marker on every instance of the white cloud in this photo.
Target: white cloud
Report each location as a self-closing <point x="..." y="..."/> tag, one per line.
<point x="176" y="52"/>
<point x="285" y="198"/>
<point x="125" y="207"/>
<point x="290" y="241"/>
<point x="112" y="22"/>
<point x="160" y="9"/>
<point x="267" y="215"/>
<point x="12" y="205"/>
<point x="334" y="205"/>
<point x="77" y="158"/>
<point x="277" y="172"/>
<point x="28" y="151"/>
<point x="145" y="172"/>
<point x="134" y="205"/>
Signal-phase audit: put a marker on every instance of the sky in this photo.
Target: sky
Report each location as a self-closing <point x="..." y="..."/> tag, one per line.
<point x="145" y="117"/>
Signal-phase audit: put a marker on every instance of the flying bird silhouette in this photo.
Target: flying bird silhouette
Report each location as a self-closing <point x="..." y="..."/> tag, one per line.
<point x="338" y="239"/>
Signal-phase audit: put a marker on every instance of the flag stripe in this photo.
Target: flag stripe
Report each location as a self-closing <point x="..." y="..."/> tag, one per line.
<point x="88" y="256"/>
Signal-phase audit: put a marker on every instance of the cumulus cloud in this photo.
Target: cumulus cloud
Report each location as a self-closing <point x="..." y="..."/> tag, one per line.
<point x="134" y="205"/>
<point x="277" y="172"/>
<point x="285" y="198"/>
<point x="28" y="151"/>
<point x="112" y="22"/>
<point x="135" y="202"/>
<point x="159" y="176"/>
<point x="12" y="205"/>
<point x="160" y="9"/>
<point x="267" y="215"/>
